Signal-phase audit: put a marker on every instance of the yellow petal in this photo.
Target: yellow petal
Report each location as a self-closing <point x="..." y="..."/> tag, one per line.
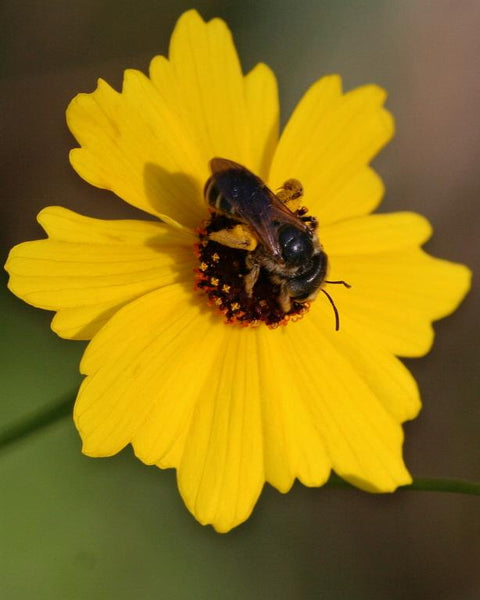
<point x="151" y="143"/>
<point x="171" y="379"/>
<point x="375" y="234"/>
<point x="388" y="379"/>
<point x="293" y="444"/>
<point x="263" y="116"/>
<point x="210" y="88"/>
<point x="396" y="295"/>
<point x="363" y="440"/>
<point x="327" y="145"/>
<point x="397" y="289"/>
<point x="221" y="472"/>
<point x="135" y="146"/>
<point x="88" y="268"/>
<point x="145" y="369"/>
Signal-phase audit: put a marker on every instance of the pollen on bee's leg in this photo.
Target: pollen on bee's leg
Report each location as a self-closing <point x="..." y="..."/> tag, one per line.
<point x="242" y="294"/>
<point x="291" y="194"/>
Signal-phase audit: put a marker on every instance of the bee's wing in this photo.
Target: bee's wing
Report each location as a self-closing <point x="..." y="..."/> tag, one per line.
<point x="255" y="204"/>
<point x="266" y="223"/>
<point x="218" y="165"/>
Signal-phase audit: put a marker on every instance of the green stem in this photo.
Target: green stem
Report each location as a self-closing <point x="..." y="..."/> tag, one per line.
<point x="35" y="422"/>
<point x="433" y="484"/>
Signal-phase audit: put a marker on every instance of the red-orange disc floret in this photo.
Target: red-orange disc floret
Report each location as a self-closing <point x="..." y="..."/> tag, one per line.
<point x="220" y="275"/>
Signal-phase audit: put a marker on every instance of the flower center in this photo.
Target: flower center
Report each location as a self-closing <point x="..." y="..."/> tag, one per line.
<point x="224" y="273"/>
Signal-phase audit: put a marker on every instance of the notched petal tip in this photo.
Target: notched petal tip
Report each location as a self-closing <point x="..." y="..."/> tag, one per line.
<point x="460" y="285"/>
<point x="222" y="518"/>
<point x="133" y="78"/>
<point x="192" y="18"/>
<point x="374" y="95"/>
<point x="89" y="268"/>
<point x="85" y="104"/>
<point x="191" y="15"/>
<point x="342" y="132"/>
<point x="331" y="84"/>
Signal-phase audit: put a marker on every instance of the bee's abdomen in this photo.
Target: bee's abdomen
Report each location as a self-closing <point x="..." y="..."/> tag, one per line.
<point x="217" y="200"/>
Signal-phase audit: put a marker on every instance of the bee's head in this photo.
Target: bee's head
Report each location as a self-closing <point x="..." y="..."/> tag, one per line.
<point x="296" y="246"/>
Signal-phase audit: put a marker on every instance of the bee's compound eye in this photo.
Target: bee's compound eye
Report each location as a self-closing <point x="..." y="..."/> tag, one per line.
<point x="296" y="245"/>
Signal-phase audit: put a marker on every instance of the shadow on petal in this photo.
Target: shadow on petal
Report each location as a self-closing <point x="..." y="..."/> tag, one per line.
<point x="174" y="195"/>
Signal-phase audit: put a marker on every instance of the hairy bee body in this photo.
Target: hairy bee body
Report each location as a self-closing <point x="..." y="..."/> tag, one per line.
<point x="281" y="242"/>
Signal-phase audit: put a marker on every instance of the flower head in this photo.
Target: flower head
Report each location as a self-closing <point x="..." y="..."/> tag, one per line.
<point x="229" y="406"/>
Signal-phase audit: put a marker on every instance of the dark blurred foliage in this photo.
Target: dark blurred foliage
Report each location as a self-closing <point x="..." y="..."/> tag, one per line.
<point x="77" y="528"/>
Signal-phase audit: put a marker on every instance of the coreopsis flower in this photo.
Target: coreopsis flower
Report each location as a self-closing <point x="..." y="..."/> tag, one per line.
<point x="233" y="387"/>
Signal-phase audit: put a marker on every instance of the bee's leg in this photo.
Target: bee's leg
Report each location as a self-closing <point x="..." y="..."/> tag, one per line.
<point x="250" y="279"/>
<point x="291" y="194"/>
<point x="239" y="237"/>
<point x="284" y="298"/>
<point x="312" y="222"/>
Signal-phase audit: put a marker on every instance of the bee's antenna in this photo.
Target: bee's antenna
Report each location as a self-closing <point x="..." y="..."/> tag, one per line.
<point x="330" y="299"/>
<point x="347" y="285"/>
<point x="337" y="318"/>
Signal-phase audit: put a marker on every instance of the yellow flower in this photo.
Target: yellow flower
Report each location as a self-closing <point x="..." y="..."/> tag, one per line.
<point x="234" y="407"/>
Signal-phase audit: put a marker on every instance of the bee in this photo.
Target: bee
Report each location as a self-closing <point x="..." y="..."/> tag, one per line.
<point x="282" y="242"/>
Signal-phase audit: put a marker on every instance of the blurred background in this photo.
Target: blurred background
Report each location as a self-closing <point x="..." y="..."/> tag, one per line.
<point x="76" y="528"/>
